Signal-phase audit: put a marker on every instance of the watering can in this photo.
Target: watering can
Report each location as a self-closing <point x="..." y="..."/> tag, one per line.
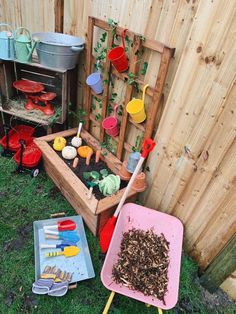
<point x="24" y="45"/>
<point x="118" y="57"/>
<point x="7" y="51"/>
<point x="110" y="124"/>
<point x="136" y="108"/>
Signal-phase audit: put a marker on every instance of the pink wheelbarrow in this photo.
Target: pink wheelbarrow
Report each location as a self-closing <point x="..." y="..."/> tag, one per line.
<point x="139" y="217"/>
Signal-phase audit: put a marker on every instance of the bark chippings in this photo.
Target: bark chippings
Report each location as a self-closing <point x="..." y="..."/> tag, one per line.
<point x="143" y="263"/>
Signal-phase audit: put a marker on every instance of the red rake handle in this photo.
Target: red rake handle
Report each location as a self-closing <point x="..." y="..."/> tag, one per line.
<point x="147" y="147"/>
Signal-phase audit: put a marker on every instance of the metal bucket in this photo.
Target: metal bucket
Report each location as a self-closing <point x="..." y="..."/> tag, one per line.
<point x="56" y="50"/>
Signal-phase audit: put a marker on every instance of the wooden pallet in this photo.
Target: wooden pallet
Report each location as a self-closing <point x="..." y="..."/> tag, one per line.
<point x="154" y="91"/>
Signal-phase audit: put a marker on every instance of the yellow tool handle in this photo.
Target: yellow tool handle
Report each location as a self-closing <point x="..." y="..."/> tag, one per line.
<point x="159" y="311"/>
<point x="48" y="276"/>
<point x="109" y="302"/>
<point x="52" y="254"/>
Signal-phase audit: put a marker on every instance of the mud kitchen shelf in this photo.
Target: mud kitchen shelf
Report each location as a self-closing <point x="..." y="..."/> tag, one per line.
<point x="61" y="82"/>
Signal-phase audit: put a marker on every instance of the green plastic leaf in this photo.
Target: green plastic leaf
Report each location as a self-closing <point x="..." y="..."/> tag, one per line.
<point x="104" y="172"/>
<point x="86" y="175"/>
<point x="91" y="183"/>
<point x="95" y="175"/>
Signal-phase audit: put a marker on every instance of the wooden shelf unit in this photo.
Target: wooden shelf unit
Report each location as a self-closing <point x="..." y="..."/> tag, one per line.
<point x="62" y="82"/>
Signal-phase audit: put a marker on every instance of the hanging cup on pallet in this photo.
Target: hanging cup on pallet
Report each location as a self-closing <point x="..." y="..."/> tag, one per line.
<point x="7" y="51"/>
<point x="136" y="108"/>
<point x="110" y="124"/>
<point x="94" y="81"/>
<point x="118" y="57"/>
<point x="133" y="161"/>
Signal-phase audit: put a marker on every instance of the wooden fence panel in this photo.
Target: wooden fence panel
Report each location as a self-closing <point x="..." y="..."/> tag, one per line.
<point x="37" y="16"/>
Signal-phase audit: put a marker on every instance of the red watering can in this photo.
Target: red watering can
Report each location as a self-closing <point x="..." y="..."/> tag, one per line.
<point x="118" y="57"/>
<point x="110" y="124"/>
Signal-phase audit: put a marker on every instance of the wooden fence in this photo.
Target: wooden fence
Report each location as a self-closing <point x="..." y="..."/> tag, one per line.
<point x="193" y="168"/>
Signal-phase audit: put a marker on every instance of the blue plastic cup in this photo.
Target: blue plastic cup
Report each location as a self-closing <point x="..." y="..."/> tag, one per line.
<point x="133" y="161"/>
<point x="94" y="81"/>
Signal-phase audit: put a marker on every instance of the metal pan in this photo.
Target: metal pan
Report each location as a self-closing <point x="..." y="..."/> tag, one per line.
<point x="80" y="265"/>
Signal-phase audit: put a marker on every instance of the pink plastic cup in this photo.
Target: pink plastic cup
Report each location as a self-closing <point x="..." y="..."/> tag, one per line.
<point x="110" y="124"/>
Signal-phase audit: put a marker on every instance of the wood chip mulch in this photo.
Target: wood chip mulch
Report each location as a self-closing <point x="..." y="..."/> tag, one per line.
<point x="143" y="263"/>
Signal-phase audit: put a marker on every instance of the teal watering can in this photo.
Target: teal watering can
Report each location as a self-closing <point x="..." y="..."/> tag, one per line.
<point x="24" y="45"/>
<point x="7" y="51"/>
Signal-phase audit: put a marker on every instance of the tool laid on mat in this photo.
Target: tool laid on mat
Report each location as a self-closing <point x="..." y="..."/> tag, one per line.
<point x="63" y="225"/>
<point x="61" y="245"/>
<point x="107" y="231"/>
<point x="68" y="251"/>
<point x="64" y="235"/>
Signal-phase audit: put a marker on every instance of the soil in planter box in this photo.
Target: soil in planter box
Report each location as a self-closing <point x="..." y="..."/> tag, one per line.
<point x="143" y="263"/>
<point x="82" y="167"/>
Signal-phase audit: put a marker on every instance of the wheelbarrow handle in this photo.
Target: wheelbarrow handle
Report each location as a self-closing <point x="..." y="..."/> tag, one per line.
<point x="108" y="304"/>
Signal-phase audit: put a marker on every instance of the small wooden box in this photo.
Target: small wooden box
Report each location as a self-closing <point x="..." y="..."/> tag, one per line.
<point x="62" y="82"/>
<point x="95" y="212"/>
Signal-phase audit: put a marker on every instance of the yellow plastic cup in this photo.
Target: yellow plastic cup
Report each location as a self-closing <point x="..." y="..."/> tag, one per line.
<point x="136" y="108"/>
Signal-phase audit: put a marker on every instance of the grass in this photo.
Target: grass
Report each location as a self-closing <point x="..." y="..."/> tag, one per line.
<point x="24" y="200"/>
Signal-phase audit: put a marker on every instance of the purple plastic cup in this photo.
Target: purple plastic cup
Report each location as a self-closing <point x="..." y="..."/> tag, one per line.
<point x="94" y="81"/>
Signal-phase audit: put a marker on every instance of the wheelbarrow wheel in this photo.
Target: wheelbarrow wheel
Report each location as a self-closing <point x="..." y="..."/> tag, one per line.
<point x="34" y="172"/>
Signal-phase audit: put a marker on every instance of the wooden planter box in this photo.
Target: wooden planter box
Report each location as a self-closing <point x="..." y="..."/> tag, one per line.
<point x="95" y="212"/>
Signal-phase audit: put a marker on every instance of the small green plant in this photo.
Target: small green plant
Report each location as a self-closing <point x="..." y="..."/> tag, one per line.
<point x="98" y="117"/>
<point x="110" y="109"/>
<point x="113" y="97"/>
<point x="78" y="114"/>
<point x="144" y="69"/>
<point x="101" y="51"/>
<point x="112" y="25"/>
<point x="129" y="41"/>
<point x="93" y="106"/>
<point x="108" y="145"/>
<point x="55" y="117"/>
<point x="137" y="145"/>
<point x="120" y="110"/>
<point x="131" y="78"/>
<point x="142" y="37"/>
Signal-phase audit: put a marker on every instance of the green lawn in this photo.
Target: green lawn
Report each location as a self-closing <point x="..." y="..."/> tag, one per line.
<point x="23" y="200"/>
